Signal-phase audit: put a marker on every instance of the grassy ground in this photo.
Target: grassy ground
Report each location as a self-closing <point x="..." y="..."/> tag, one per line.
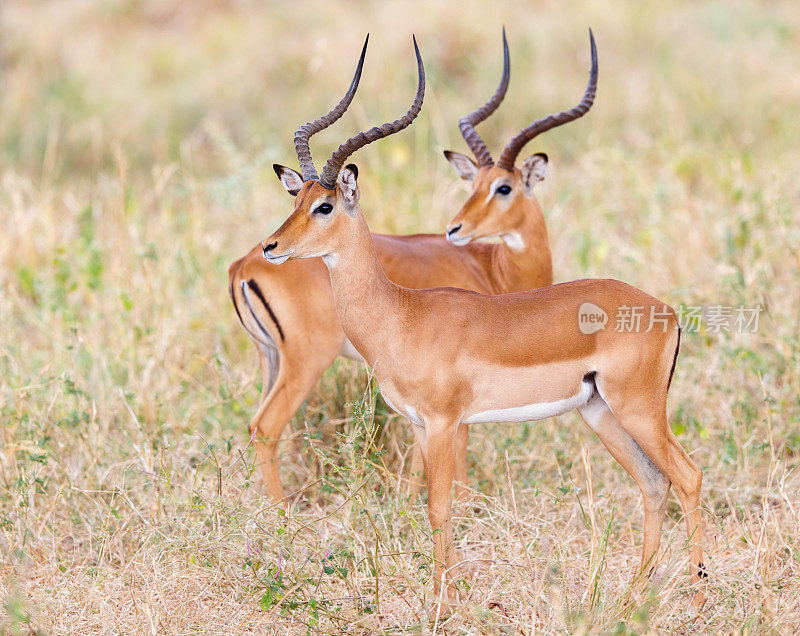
<point x="135" y="152"/>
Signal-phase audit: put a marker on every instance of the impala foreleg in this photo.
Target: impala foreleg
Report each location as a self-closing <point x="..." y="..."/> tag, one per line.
<point x="437" y="443"/>
<point x="416" y="474"/>
<point x="461" y="443"/>
<point x="417" y="471"/>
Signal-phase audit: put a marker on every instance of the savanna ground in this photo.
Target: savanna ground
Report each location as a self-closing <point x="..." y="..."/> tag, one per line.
<point x="136" y="143"/>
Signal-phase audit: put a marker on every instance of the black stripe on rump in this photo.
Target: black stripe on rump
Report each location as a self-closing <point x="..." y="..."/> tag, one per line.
<point x="252" y="284"/>
<point x="233" y="297"/>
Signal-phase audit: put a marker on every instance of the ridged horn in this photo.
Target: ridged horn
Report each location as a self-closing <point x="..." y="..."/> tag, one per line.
<point x="512" y="150"/>
<point x="305" y="131"/>
<point x="468" y="122"/>
<point x="335" y="163"/>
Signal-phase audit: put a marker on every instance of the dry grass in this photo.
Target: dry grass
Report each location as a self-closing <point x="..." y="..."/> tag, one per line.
<point x="135" y="154"/>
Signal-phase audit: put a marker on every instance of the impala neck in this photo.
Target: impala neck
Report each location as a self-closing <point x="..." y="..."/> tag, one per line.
<point x="362" y="293"/>
<point x="522" y="260"/>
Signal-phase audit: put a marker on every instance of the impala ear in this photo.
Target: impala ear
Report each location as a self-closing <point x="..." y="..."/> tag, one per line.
<point x="534" y="169"/>
<point x="465" y="167"/>
<point x="348" y="184"/>
<point x="290" y="179"/>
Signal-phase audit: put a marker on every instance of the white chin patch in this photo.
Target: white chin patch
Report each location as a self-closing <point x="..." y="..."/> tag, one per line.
<point x="459" y="240"/>
<point x="514" y="241"/>
<point x="277" y="260"/>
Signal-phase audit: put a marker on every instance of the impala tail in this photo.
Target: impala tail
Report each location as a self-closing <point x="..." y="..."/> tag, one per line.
<point x="674" y="359"/>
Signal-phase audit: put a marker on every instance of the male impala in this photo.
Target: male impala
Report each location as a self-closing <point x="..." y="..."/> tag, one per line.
<point x="289" y="312"/>
<point x="445" y="357"/>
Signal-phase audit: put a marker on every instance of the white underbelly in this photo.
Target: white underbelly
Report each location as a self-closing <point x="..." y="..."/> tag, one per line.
<point x="530" y="412"/>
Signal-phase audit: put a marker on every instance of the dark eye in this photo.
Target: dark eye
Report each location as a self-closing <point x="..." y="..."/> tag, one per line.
<point x="323" y="208"/>
<point x="503" y="189"/>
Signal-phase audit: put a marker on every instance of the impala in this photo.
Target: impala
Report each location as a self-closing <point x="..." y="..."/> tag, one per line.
<point x="289" y="312"/>
<point x="446" y="357"/>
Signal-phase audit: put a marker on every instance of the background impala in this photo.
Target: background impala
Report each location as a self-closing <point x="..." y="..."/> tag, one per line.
<point x="136" y="153"/>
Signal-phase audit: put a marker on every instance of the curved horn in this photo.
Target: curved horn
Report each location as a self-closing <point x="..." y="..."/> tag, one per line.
<point x="513" y="148"/>
<point x="305" y="131"/>
<point x="468" y="122"/>
<point x="335" y="163"/>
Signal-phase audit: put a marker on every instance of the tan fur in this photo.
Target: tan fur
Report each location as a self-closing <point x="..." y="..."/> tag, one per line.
<point x="442" y="354"/>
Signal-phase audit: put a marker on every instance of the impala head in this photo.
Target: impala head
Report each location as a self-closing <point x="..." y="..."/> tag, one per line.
<point x="316" y="225"/>
<point x="500" y="201"/>
<point x="502" y="193"/>
<point x="325" y="204"/>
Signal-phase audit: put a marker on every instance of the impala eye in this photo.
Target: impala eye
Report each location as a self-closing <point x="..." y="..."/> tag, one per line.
<point x="503" y="189"/>
<point x="323" y="208"/>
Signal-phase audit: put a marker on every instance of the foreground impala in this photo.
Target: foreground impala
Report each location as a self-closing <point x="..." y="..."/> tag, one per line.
<point x="446" y="357"/>
<point x="289" y="312"/>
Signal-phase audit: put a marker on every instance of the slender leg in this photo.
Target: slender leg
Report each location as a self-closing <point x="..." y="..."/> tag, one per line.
<point x="438" y="449"/>
<point x="416" y="474"/>
<point x="292" y="386"/>
<point x="652" y="483"/>
<point x="689" y="487"/>
<point x="417" y="471"/>
<point x="656" y="439"/>
<point x="461" y="443"/>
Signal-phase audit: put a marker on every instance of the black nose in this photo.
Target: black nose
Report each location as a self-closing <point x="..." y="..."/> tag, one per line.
<point x="270" y="247"/>
<point x="452" y="231"/>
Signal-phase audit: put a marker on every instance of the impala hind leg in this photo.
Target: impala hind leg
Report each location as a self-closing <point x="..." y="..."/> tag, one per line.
<point x="691" y="481"/>
<point x="294" y="380"/>
<point x="652" y="483"/>
<point x="657" y="440"/>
